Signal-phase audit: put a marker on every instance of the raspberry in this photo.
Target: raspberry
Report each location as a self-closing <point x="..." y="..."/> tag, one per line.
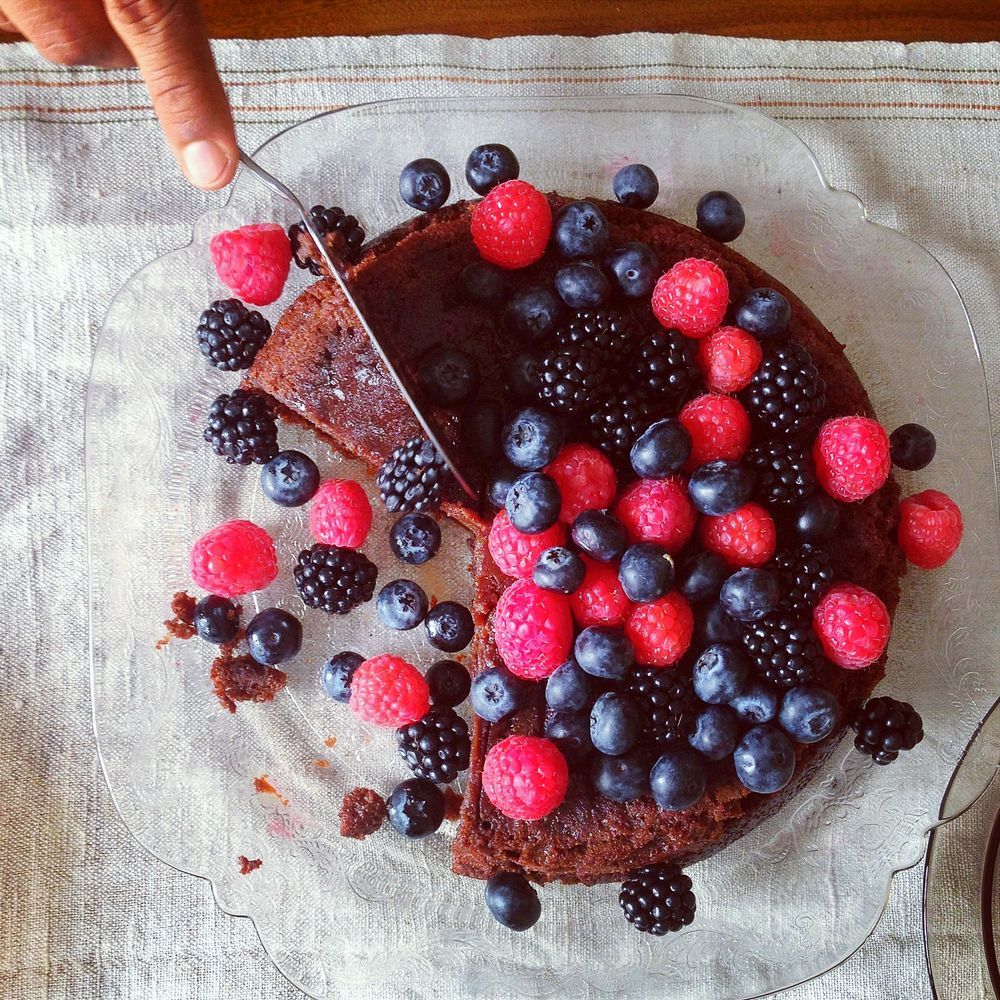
<point x="930" y="528"/>
<point x="253" y="261"/>
<point x="511" y="225"/>
<point x="533" y="629"/>
<point x="525" y="777"/>
<point x="691" y="297"/>
<point x="660" y="631"/>
<point x="585" y="478"/>
<point x="744" y="537"/>
<point x="728" y="358"/>
<point x="658" y="510"/>
<point x="852" y="457"/>
<point x="719" y="428"/>
<point x="234" y="558"/>
<point x="388" y="691"/>
<point x="340" y="514"/>
<point x="853" y="626"/>
<point x="516" y="553"/>
<point x="599" y="600"/>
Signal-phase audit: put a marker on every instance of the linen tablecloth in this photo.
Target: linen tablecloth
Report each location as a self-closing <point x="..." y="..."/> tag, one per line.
<point x="88" y="193"/>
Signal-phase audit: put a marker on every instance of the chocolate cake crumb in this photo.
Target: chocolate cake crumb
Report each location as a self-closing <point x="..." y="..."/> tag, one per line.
<point x="247" y="866"/>
<point x="452" y="803"/>
<point x="241" y="678"/>
<point x="361" y="813"/>
<point x="181" y="626"/>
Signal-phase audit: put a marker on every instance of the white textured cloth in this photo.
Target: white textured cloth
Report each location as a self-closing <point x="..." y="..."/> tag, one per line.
<point x="88" y="193"/>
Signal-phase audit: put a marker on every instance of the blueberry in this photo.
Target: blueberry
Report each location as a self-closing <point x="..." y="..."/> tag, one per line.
<point x="604" y="651"/>
<point x="335" y="675"/>
<point x="449" y="626"/>
<point x="580" y="230"/>
<point x="757" y="702"/>
<point x="290" y="479"/>
<point x="600" y="535"/>
<point x="559" y="569"/>
<point x="449" y="683"/>
<point x="533" y="502"/>
<point x="216" y="619"/>
<point x="489" y="165"/>
<point x="720" y="216"/>
<point x="500" y="484"/>
<point x="447" y="375"/>
<point x="661" y="449"/>
<point x="484" y="283"/>
<point x="817" y="518"/>
<point x="635" y="267"/>
<point x="720" y="673"/>
<point x="646" y="572"/>
<point x="677" y="779"/>
<point x="615" y="723"/>
<point x="415" y="808"/>
<point x="720" y="487"/>
<point x="912" y="447"/>
<point x="765" y="760"/>
<point x="480" y="427"/>
<point x="568" y="688"/>
<point x="274" y="636"/>
<point x="512" y="901"/>
<point x="764" y="312"/>
<point x="523" y="378"/>
<point x="750" y="593"/>
<point x="622" y="778"/>
<point x="424" y="185"/>
<point x="532" y="439"/>
<point x="715" y="732"/>
<point x="532" y="313"/>
<point x="636" y="186"/>
<point x="701" y="575"/>
<point x="415" y="538"/>
<point x="809" y="714"/>
<point x="570" y="731"/>
<point x="582" y="285"/>
<point x="714" y="625"/>
<point x="401" y="605"/>
<point x="496" y="693"/>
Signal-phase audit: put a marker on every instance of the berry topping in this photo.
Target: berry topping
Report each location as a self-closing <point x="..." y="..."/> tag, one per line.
<point x="599" y="599"/>
<point x="411" y="477"/>
<point x="635" y="185"/>
<point x="701" y="575"/>
<point x="606" y="331"/>
<point x="484" y="283"/>
<point x="334" y="578"/>
<point x="617" y="422"/>
<point x="230" y="335"/>
<point x="603" y="651"/>
<point x="449" y="683"/>
<point x="524" y="378"/>
<point x="744" y="537"/>
<point x="716" y="731"/>
<point x="241" y="429"/>
<point x="720" y="487"/>
<point x="570" y="731"/>
<point x="447" y="375"/>
<point x="809" y="714"/>
<point x="511" y="225"/>
<point x="449" y="626"/>
<point x="532" y="313"/>
<point x="785" y="472"/>
<point x="719" y="428"/>
<point x="930" y="528"/>
<point x="764" y="312"/>
<point x="516" y="553"/>
<point x="401" y="605"/>
<point x="290" y="479"/>
<point x="785" y="649"/>
<point x="615" y="723"/>
<point x="658" y="510"/>
<point x="623" y="778"/>
<point x="582" y="285"/>
<point x="525" y="777"/>
<point x="720" y="216"/>
<point x="662" y="448"/>
<point x="341" y="234"/>
<point x="568" y="688"/>
<point x="388" y="691"/>
<point x="580" y="230"/>
<point x="533" y="629"/>
<point x="500" y="483"/>
<point x="559" y="569"/>
<point x="415" y="538"/>
<point x="234" y="558"/>
<point x="634" y="268"/>
<point x="512" y="901"/>
<point x="715" y="625"/>
<point x="660" y="631"/>
<point x="571" y="379"/>
<point x="852" y="457"/>
<point x="805" y="573"/>
<point x="912" y="447"/>
<point x="646" y="571"/>
<point x="532" y="439"/>
<point x="758" y="702"/>
<point x="586" y="480"/>
<point x="817" y="518"/>
<point x="496" y="693"/>
<point x="340" y="514"/>
<point x="787" y="394"/>
<point x="691" y="297"/>
<point x="599" y="535"/>
<point x="728" y="358"/>
<point x="533" y="503"/>
<point x="885" y="727"/>
<point x="435" y="747"/>
<point x="253" y="261"/>
<point x="424" y="184"/>
<point x="853" y="625"/>
<point x="665" y="702"/>
<point x="664" y="368"/>
<point x="216" y="619"/>
<point x="273" y="636"/>
<point x="720" y="673"/>
<point x="415" y="808"/>
<point x="749" y="594"/>
<point x="489" y="165"/>
<point x="336" y="674"/>
<point x="765" y="760"/>
<point x="678" y="779"/>
<point x="658" y="899"/>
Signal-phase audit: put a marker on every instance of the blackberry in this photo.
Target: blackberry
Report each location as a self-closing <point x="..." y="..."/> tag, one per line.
<point x="657" y="899"/>
<point x="608" y="332"/>
<point x="341" y="233"/>
<point x="411" y="477"/>
<point x="784" y="648"/>
<point x="435" y="747"/>
<point x="241" y="429"/>
<point x="664" y="361"/>
<point x="805" y="573"/>
<point x="230" y="335"/>
<point x="617" y="422"/>
<point x="886" y="726"/>
<point x="667" y="702"/>
<point x="785" y="471"/>
<point x="787" y="394"/>
<point x="571" y="379"/>
<point x="334" y="578"/>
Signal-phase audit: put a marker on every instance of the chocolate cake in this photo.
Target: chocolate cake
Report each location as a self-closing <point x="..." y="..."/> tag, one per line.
<point x="319" y="369"/>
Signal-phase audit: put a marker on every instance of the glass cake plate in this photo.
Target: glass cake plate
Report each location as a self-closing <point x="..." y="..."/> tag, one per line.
<point x="792" y="898"/>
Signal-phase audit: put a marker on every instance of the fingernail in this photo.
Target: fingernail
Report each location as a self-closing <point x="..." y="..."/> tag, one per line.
<point x="204" y="162"/>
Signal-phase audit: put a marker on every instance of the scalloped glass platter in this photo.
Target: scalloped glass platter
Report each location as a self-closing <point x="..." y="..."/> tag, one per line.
<point x="792" y="898"/>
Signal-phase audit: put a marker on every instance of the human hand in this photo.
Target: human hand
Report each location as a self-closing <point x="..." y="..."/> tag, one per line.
<point x="166" y="40"/>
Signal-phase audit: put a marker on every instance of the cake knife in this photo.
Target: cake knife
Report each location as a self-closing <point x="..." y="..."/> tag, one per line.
<point x="398" y="374"/>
